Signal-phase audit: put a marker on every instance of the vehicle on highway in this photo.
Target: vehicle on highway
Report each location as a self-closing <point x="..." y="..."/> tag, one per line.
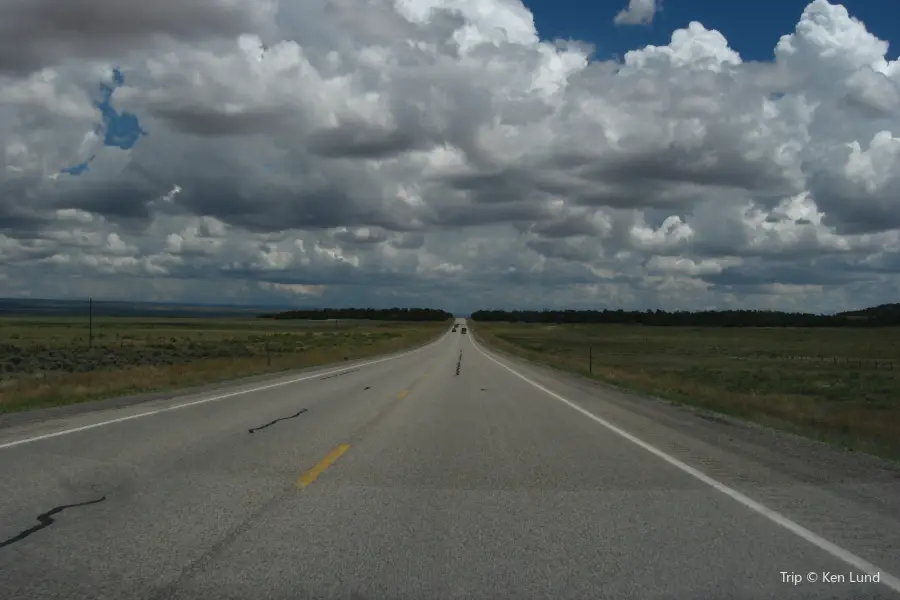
<point x="463" y="330"/>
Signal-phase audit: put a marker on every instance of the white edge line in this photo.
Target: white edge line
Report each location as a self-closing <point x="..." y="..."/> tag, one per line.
<point x="834" y="550"/>
<point x="157" y="411"/>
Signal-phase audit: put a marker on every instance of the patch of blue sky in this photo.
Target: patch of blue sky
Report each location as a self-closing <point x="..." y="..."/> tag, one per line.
<point x="79" y="168"/>
<point x="118" y="129"/>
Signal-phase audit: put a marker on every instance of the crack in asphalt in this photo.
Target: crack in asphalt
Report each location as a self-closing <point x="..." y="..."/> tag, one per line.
<point x="339" y="374"/>
<point x="45" y="520"/>
<point x="269" y="424"/>
<point x="459" y="362"/>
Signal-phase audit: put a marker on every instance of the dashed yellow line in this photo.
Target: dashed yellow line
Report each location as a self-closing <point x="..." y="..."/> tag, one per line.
<point x="402" y="394"/>
<point x="311" y="475"/>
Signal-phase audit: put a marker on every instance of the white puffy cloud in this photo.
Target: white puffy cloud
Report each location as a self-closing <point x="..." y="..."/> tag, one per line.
<point x="638" y="12"/>
<point x="438" y="152"/>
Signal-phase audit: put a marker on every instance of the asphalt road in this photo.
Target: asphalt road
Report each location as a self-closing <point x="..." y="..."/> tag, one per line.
<point x="404" y="479"/>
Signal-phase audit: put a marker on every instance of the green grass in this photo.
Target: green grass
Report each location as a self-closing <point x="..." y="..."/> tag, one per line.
<point x="47" y="361"/>
<point x="838" y="385"/>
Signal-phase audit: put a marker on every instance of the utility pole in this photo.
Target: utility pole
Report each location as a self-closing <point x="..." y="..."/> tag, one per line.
<point x="591" y="359"/>
<point x="90" y="322"/>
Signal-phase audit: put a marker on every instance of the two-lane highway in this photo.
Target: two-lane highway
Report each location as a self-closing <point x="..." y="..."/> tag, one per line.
<point x="446" y="472"/>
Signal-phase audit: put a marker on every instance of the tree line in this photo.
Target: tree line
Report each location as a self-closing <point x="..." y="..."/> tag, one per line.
<point x="369" y="314"/>
<point x="881" y="316"/>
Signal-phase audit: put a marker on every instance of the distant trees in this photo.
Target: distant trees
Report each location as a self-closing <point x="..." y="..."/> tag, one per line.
<point x="881" y="316"/>
<point x="882" y="312"/>
<point x="370" y="314"/>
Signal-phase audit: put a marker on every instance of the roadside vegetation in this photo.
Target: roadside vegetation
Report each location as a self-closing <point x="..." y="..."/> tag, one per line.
<point x="835" y="384"/>
<point x="46" y="361"/>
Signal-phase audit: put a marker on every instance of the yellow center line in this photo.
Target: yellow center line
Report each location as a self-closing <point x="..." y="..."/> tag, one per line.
<point x="311" y="475"/>
<point x="402" y="394"/>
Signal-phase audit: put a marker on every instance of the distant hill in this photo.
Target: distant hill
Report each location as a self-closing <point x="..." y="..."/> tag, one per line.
<point x="112" y="308"/>
<point x="43" y="307"/>
<point x="882" y="311"/>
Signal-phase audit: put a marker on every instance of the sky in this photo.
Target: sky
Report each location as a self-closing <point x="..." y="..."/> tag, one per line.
<point x="459" y="154"/>
<point x="751" y="28"/>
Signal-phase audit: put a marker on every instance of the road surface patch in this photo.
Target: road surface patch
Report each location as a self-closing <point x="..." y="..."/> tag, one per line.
<point x="887" y="579"/>
<point x="46" y="520"/>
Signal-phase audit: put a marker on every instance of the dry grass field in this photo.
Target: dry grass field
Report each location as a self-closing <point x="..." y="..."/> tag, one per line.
<point x="836" y="384"/>
<point x="48" y="361"/>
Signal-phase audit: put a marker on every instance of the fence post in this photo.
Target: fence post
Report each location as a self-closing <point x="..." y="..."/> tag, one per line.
<point x="90" y="322"/>
<point x="268" y="356"/>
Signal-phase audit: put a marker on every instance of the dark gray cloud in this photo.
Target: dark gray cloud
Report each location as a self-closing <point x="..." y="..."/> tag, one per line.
<point x="359" y="140"/>
<point x="569" y="250"/>
<point x="361" y="236"/>
<point x="118" y="201"/>
<point x="851" y="208"/>
<point x="464" y="215"/>
<point x="508" y="185"/>
<point x="314" y="207"/>
<point x="409" y="241"/>
<point x="715" y="165"/>
<point x="200" y="120"/>
<point x="40" y="33"/>
<point x="17" y="216"/>
<point x="796" y="273"/>
<point x="565" y="227"/>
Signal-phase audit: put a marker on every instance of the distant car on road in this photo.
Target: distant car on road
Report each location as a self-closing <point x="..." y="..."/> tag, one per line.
<point x="463" y="330"/>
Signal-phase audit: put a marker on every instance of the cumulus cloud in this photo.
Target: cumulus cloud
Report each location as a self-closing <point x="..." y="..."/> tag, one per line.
<point x="638" y="12"/>
<point x="438" y="152"/>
